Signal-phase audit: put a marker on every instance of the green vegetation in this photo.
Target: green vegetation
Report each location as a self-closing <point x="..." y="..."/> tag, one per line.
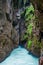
<point x="29" y="9"/>
<point x="29" y="14"/>
<point x="31" y="21"/>
<point x="25" y="37"/>
<point x="29" y="43"/>
<point x="29" y="29"/>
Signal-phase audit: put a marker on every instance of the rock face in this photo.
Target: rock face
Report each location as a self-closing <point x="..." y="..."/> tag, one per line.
<point x="8" y="34"/>
<point x="41" y="61"/>
<point x="6" y="45"/>
<point x="8" y="40"/>
<point x="38" y="4"/>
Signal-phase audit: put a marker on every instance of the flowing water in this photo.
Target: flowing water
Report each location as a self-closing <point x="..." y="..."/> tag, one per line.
<point x="20" y="56"/>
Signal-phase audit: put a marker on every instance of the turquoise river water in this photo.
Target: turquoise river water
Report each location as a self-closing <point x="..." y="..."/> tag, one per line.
<point x="20" y="56"/>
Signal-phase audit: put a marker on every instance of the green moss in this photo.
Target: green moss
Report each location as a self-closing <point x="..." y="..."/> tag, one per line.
<point x="29" y="28"/>
<point x="29" y="9"/>
<point x="25" y="36"/>
<point x="29" y="15"/>
<point x="28" y="31"/>
<point x="29" y="43"/>
<point x="29" y="12"/>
